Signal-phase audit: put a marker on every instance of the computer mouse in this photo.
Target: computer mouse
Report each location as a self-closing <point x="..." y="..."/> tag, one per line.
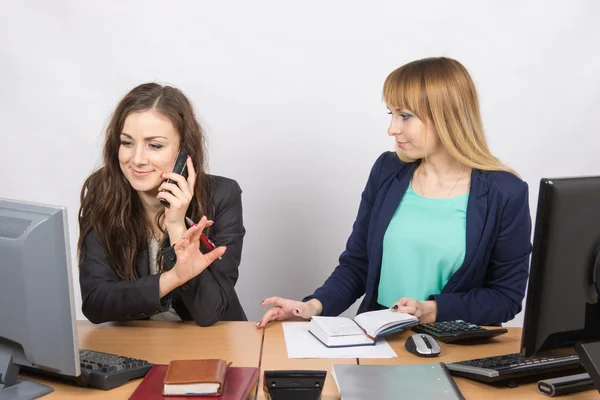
<point x="423" y="345"/>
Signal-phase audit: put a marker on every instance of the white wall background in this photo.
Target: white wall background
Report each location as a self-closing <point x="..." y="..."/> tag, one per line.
<point x="289" y="93"/>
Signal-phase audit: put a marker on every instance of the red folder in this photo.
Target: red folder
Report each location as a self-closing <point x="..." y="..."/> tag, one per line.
<point x="239" y="385"/>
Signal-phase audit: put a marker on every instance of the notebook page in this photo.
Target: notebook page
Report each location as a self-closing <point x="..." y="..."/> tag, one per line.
<point x="338" y="326"/>
<point x="375" y="321"/>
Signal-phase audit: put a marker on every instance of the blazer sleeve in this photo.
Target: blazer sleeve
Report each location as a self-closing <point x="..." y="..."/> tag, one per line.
<point x="208" y="295"/>
<point x="506" y="276"/>
<point x="105" y="297"/>
<point x="348" y="281"/>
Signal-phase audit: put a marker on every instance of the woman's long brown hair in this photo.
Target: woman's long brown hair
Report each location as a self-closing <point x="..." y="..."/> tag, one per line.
<point x="111" y="207"/>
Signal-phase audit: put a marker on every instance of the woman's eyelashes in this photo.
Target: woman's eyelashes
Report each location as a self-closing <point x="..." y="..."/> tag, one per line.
<point x="404" y="116"/>
<point x="154" y="146"/>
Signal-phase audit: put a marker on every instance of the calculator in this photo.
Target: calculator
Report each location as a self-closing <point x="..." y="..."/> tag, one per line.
<point x="456" y="331"/>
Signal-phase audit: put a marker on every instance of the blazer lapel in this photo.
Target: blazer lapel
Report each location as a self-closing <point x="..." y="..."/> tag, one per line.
<point x="143" y="262"/>
<point x="143" y="258"/>
<point x="476" y="218"/>
<point x="392" y="199"/>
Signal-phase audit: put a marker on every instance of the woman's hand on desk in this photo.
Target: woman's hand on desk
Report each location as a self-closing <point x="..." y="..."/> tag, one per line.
<point x="285" y="309"/>
<point x="426" y="311"/>
<point x="190" y="260"/>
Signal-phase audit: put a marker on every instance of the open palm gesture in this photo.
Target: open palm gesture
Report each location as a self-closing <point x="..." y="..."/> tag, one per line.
<point x="190" y="260"/>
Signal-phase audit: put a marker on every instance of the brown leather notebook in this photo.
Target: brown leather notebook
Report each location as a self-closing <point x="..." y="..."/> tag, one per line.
<point x="240" y="383"/>
<point x="195" y="377"/>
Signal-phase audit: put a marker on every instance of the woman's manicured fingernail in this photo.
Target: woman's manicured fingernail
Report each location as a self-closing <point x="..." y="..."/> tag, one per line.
<point x="395" y="307"/>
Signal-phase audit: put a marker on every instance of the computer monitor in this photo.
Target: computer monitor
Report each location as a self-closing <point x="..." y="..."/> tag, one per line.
<point x="564" y="280"/>
<point x="37" y="309"/>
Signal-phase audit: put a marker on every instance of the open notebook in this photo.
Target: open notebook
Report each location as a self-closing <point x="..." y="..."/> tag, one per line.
<point x="363" y="330"/>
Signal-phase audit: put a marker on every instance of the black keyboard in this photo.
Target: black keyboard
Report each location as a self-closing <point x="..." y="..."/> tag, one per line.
<point x="453" y="331"/>
<point x="100" y="370"/>
<point x="107" y="371"/>
<point x="511" y="366"/>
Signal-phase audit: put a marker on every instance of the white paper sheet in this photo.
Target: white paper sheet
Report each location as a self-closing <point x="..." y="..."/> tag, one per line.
<point x="301" y="343"/>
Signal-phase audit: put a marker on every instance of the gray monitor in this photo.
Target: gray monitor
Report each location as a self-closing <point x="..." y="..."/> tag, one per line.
<point x="37" y="309"/>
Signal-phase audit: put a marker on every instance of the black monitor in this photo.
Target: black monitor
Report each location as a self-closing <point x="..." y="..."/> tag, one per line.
<point x="37" y="307"/>
<point x="564" y="280"/>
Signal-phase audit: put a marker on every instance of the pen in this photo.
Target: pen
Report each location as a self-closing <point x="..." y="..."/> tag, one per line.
<point x="207" y="242"/>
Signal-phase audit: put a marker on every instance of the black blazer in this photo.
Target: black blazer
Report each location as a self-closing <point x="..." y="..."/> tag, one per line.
<point x="205" y="299"/>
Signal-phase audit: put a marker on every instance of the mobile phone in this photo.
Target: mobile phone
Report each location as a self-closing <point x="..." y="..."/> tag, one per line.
<point x="179" y="168"/>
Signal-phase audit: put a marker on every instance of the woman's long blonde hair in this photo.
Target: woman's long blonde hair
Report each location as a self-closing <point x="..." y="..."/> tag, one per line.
<point x="441" y="90"/>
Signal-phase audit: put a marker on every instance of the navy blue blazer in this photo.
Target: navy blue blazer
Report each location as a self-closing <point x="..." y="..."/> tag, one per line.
<point x="490" y="285"/>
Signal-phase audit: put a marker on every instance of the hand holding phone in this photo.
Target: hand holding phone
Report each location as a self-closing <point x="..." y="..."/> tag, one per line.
<point x="179" y="168"/>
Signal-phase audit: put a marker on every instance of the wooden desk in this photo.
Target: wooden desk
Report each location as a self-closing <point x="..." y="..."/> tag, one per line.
<point x="274" y="356"/>
<point x="504" y="344"/>
<point x="160" y="342"/>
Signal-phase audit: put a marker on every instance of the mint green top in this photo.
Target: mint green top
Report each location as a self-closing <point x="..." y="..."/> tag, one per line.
<point x="423" y="246"/>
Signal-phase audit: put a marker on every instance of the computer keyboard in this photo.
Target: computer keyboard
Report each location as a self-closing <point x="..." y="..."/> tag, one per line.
<point x="511" y="366"/>
<point x="100" y="370"/>
<point x="453" y="331"/>
<point x="107" y="371"/>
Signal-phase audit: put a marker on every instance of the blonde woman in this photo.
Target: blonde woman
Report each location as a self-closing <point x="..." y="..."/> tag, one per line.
<point x="443" y="229"/>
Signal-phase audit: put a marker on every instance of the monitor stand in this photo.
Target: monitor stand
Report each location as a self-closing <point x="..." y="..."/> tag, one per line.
<point x="596" y="273"/>
<point x="11" y="386"/>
